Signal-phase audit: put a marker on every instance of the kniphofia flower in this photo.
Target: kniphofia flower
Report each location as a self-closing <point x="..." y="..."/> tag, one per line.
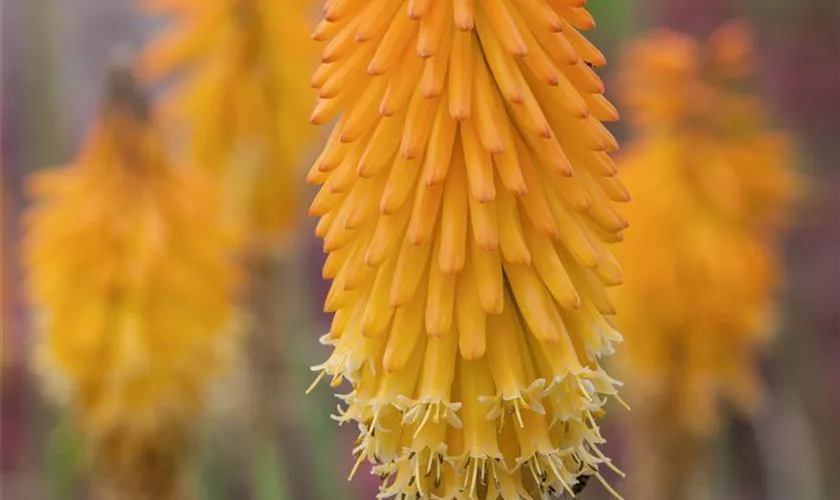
<point x="715" y="185"/>
<point x="130" y="271"/>
<point x="242" y="96"/>
<point x="467" y="205"/>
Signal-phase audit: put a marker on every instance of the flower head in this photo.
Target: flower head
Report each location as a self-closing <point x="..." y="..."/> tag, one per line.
<point x="716" y="187"/>
<point x="129" y="268"/>
<point x="467" y="205"/>
<point x="242" y="99"/>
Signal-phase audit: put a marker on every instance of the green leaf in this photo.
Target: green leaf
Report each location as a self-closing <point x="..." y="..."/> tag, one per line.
<point x="213" y="472"/>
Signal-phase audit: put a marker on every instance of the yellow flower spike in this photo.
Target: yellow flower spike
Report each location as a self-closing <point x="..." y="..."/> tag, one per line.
<point x="705" y="299"/>
<point x="129" y="268"/>
<point x="722" y="234"/>
<point x="238" y="96"/>
<point x="467" y="205"/>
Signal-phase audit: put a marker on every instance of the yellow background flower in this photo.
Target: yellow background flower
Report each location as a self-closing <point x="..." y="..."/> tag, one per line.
<point x="242" y="95"/>
<point x="715" y="186"/>
<point x="131" y="272"/>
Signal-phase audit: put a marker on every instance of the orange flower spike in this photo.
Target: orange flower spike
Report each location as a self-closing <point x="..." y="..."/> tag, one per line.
<point x="487" y="246"/>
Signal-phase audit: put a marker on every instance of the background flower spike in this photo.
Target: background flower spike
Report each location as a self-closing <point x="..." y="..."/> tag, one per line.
<point x="134" y="294"/>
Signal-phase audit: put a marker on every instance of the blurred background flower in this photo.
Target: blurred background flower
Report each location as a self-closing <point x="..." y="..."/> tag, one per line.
<point x="240" y="96"/>
<point x="131" y="279"/>
<point x="235" y="90"/>
<point x="53" y="59"/>
<point x="714" y="186"/>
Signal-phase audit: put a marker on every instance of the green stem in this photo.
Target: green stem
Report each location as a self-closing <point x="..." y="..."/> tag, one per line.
<point x="319" y="428"/>
<point x="63" y="459"/>
<point x="268" y="472"/>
